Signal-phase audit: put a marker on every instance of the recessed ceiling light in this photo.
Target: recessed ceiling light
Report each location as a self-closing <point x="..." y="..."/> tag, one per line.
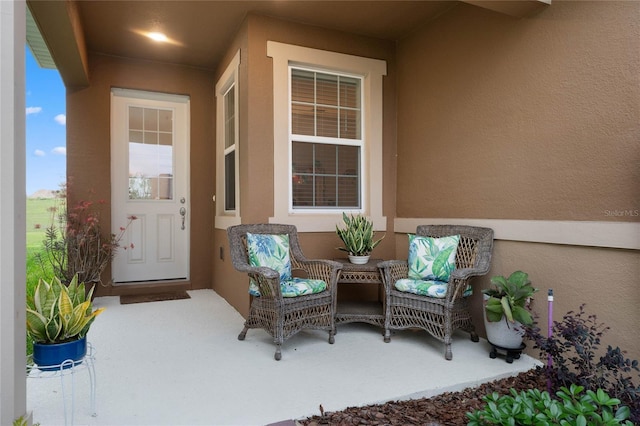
<point x="157" y="37"/>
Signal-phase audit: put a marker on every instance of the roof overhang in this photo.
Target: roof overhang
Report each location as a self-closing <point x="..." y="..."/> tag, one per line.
<point x="64" y="40"/>
<point x="62" y="32"/>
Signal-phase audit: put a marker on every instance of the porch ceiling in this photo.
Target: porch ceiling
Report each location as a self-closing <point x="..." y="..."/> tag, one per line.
<point x="201" y="31"/>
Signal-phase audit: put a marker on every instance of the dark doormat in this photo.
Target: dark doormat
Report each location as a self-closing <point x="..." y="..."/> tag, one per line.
<point x="155" y="297"/>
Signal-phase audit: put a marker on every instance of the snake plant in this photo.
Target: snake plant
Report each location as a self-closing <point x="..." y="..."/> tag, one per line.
<point x="60" y="313"/>
<point x="357" y="235"/>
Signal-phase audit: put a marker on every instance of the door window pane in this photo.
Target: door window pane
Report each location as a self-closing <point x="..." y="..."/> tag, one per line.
<point x="150" y="154"/>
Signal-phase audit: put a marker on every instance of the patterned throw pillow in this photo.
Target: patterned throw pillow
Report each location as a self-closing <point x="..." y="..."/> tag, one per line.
<point x="432" y="258"/>
<point x="271" y="251"/>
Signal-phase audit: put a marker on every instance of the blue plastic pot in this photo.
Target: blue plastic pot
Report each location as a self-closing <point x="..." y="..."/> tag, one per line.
<point x="54" y="356"/>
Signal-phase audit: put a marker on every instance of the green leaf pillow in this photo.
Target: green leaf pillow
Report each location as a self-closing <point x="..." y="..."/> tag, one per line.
<point x="271" y="251"/>
<point x="432" y="258"/>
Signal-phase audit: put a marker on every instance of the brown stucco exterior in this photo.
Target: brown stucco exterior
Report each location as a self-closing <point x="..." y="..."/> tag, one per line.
<point x="536" y="119"/>
<point x="486" y="116"/>
<point x="88" y="147"/>
<point x="533" y="118"/>
<point x="257" y="144"/>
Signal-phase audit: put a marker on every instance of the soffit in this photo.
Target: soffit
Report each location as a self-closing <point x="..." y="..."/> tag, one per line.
<point x="37" y="45"/>
<point x="203" y="30"/>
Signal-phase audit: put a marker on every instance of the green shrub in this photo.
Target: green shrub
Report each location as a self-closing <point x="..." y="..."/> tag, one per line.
<point x="534" y="407"/>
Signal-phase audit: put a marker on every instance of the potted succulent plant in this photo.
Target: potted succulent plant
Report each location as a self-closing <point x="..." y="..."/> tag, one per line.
<point x="506" y="309"/>
<point x="358" y="237"/>
<point x="58" y="319"/>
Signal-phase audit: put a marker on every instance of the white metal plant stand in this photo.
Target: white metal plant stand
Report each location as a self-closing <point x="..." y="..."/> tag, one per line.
<point x="68" y="368"/>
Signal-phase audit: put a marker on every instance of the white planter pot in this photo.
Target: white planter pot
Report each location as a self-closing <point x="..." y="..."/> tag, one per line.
<point x="358" y="260"/>
<point x="503" y="333"/>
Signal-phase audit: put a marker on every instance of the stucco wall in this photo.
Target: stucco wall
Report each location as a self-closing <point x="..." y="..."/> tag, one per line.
<point x="256" y="137"/>
<point x="88" y="143"/>
<point x="521" y="118"/>
<point x="226" y="281"/>
<point x="534" y="119"/>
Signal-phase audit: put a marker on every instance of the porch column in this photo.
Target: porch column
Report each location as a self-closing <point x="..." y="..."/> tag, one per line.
<point x="13" y="382"/>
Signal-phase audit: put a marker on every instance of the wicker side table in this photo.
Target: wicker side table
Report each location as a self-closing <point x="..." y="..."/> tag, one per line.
<point x="371" y="312"/>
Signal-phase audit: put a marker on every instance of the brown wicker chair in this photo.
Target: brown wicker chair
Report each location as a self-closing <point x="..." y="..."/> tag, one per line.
<point x="282" y="317"/>
<point x="439" y="317"/>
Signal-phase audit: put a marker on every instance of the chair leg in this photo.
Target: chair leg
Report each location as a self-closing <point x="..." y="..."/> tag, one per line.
<point x="447" y="352"/>
<point x="474" y="337"/>
<point x="243" y="333"/>
<point x="278" y="354"/>
<point x="387" y="335"/>
<point x="332" y="339"/>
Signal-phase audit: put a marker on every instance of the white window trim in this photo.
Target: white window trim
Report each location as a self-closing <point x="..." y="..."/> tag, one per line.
<point x="224" y="218"/>
<point x="372" y="70"/>
<point x="623" y="235"/>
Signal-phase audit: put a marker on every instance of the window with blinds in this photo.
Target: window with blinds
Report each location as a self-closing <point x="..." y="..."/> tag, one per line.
<point x="326" y="140"/>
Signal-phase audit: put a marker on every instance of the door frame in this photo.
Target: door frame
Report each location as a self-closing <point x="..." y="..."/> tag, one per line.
<point x="116" y="203"/>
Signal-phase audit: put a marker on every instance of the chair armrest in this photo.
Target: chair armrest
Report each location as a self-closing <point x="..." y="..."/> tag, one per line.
<point x="321" y="269"/>
<point x="390" y="263"/>
<point x="330" y="263"/>
<point x="459" y="280"/>
<point x="260" y="270"/>
<point x="391" y="271"/>
<point x="466" y="273"/>
<point x="267" y="280"/>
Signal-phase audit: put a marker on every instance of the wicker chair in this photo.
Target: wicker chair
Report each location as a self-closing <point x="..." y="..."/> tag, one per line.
<point x="439" y="317"/>
<point x="282" y="317"/>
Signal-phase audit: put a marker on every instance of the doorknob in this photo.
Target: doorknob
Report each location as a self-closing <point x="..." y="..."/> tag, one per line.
<point x="183" y="213"/>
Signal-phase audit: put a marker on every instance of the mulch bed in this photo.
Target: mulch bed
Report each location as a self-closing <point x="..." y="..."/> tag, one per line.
<point x="155" y="297"/>
<point x="447" y="409"/>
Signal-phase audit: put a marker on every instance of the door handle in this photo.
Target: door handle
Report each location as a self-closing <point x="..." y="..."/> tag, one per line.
<point x="183" y="213"/>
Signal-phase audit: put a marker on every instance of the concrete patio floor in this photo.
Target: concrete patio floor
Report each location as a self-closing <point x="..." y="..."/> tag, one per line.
<point x="180" y="363"/>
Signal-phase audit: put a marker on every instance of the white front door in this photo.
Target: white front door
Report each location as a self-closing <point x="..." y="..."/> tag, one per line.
<point x="149" y="181"/>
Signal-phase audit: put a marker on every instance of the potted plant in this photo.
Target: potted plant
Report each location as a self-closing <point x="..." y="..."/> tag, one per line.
<point x="357" y="236"/>
<point x="506" y="309"/>
<point x="58" y="319"/>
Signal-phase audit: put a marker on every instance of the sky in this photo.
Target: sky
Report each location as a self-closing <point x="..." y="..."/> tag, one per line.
<point x="46" y="127"/>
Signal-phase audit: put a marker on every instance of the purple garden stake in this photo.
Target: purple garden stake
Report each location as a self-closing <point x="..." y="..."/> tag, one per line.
<point x="549" y="333"/>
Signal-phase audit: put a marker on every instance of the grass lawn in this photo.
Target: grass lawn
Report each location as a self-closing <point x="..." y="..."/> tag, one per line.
<point x="38" y="217"/>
